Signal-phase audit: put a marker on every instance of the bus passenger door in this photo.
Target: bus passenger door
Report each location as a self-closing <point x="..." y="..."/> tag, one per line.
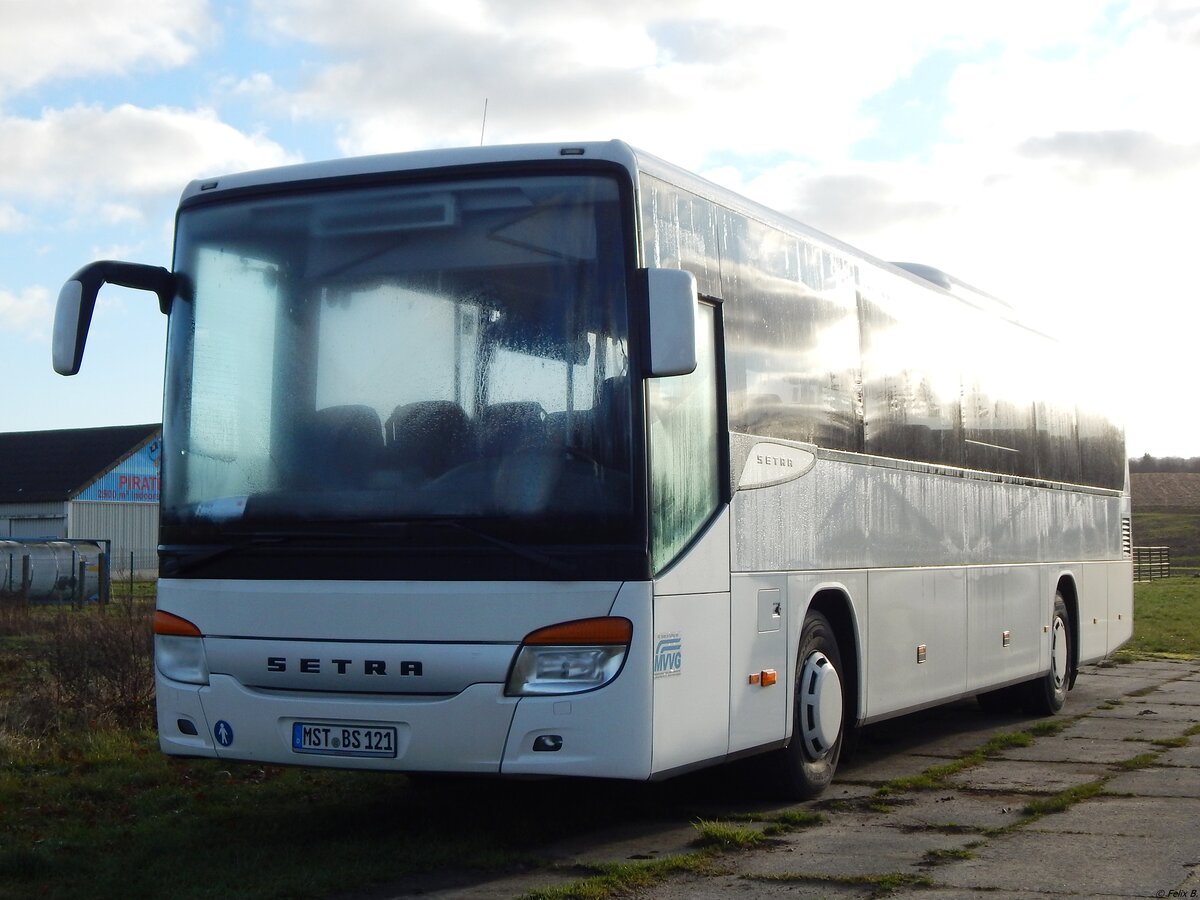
<point x="689" y="524"/>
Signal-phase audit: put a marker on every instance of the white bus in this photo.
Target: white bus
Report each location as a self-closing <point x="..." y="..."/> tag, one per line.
<point x="559" y="460"/>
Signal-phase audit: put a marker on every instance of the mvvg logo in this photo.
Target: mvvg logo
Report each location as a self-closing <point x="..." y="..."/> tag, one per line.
<point x="668" y="654"/>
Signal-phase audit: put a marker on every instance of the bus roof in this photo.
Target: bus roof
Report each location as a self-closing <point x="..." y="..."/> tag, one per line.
<point x="614" y="151"/>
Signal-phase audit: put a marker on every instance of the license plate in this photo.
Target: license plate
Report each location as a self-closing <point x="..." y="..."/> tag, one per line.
<point x="342" y="739"/>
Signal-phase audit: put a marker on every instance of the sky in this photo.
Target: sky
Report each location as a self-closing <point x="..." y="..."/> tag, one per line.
<point x="1048" y="154"/>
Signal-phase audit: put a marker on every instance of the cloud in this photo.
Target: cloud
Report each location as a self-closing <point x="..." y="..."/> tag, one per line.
<point x="683" y="78"/>
<point x="861" y="205"/>
<point x="670" y="76"/>
<point x="705" y="41"/>
<point x="1180" y="18"/>
<point x="11" y="218"/>
<point x="28" y="313"/>
<point x="1045" y="154"/>
<point x="1138" y="152"/>
<point x="124" y="156"/>
<point x="1127" y="79"/>
<point x="74" y="39"/>
<point x="257" y="85"/>
<point x="419" y="75"/>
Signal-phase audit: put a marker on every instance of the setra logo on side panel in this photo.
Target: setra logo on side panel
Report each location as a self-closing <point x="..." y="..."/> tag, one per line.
<point x="668" y="654"/>
<point x="769" y="464"/>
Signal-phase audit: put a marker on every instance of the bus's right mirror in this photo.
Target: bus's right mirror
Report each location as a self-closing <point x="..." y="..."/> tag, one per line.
<point x="671" y="302"/>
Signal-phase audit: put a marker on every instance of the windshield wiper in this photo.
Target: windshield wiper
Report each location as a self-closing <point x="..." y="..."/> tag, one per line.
<point x="527" y="553"/>
<point x="190" y="556"/>
<point x="536" y="556"/>
<point x="186" y="557"/>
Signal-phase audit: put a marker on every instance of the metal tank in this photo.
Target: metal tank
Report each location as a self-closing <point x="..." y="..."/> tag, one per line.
<point x="73" y="571"/>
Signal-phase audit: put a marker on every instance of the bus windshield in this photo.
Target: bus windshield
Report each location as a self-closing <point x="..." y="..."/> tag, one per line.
<point x="431" y="351"/>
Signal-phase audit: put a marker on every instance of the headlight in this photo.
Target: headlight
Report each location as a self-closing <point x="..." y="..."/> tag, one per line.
<point x="179" y="649"/>
<point x="569" y="658"/>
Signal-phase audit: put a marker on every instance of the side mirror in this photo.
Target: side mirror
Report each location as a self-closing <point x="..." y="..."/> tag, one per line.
<point x="77" y="300"/>
<point x="671" y="296"/>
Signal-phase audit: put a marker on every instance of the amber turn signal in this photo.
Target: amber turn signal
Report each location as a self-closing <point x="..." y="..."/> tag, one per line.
<point x="167" y="623"/>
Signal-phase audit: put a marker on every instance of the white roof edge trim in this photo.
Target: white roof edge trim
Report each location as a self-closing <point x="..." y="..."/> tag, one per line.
<point x="412" y="161"/>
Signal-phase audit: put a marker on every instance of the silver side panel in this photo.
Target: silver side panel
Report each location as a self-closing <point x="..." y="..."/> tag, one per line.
<point x="950" y="576"/>
<point x="861" y="514"/>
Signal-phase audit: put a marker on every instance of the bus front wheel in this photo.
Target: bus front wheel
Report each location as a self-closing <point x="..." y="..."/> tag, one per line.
<point x="809" y="760"/>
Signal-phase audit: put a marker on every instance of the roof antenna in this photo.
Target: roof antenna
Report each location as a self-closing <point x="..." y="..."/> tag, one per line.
<point x="483" y="127"/>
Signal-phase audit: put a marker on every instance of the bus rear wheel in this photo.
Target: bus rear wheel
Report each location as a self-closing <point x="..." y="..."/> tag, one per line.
<point x="807" y="763"/>
<point x="1047" y="695"/>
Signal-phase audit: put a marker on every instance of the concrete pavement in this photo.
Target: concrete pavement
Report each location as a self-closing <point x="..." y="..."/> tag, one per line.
<point x="1125" y="769"/>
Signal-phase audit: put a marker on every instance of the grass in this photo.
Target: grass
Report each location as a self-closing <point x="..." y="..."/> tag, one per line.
<point x="620" y="879"/>
<point x="1171" y="743"/>
<point x="722" y="836"/>
<point x="1141" y="761"/>
<point x="1050" y="727"/>
<point x="712" y="838"/>
<point x="939" y="856"/>
<point x="64" y="670"/>
<point x="1179" y="530"/>
<point x="1063" y="800"/>
<point x="937" y="777"/>
<point x="1166" y="618"/>
<point x="106" y="815"/>
<point x="793" y="820"/>
<point x="876" y="885"/>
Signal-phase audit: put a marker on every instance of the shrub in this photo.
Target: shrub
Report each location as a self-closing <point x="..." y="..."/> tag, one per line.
<point x="89" y="669"/>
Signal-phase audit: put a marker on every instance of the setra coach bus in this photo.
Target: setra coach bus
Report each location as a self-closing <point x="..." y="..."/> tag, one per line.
<point x="559" y="460"/>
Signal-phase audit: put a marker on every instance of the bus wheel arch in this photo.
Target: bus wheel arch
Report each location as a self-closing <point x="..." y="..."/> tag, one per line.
<point x="1067" y="591"/>
<point x="824" y="701"/>
<point x="835" y="606"/>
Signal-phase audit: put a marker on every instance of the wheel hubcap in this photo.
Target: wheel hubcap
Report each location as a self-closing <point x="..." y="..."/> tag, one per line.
<point x="1058" y="653"/>
<point x="820" y="705"/>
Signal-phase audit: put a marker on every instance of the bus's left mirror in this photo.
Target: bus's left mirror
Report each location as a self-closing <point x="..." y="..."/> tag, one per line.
<point x="70" y="328"/>
<point x="671" y="296"/>
<point x="77" y="300"/>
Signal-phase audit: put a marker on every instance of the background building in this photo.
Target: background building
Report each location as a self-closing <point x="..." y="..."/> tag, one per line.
<point x="85" y="483"/>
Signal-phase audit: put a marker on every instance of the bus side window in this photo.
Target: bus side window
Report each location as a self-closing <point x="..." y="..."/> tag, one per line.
<point x="684" y="464"/>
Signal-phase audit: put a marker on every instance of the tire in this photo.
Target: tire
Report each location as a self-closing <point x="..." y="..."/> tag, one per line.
<point x="806" y="765"/>
<point x="1045" y="696"/>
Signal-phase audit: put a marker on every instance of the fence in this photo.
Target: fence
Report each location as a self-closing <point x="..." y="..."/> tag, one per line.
<point x="130" y="568"/>
<point x="1151" y="562"/>
<point x="142" y="566"/>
